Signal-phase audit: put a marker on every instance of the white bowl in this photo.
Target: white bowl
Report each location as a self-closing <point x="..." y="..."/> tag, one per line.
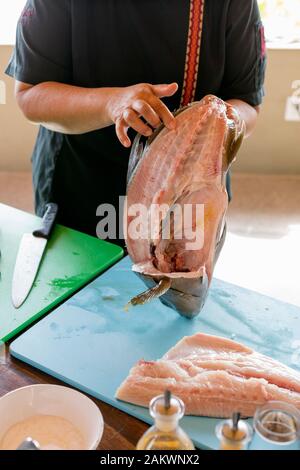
<point x="54" y="400"/>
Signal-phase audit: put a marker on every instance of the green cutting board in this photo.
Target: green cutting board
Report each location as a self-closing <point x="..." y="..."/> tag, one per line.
<point x="70" y="261"/>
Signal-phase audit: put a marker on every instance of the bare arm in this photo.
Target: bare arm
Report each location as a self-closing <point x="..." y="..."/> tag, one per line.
<point x="63" y="108"/>
<point x="75" y="110"/>
<point x="248" y="113"/>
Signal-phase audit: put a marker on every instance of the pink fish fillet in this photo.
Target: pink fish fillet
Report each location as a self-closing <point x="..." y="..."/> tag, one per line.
<point x="214" y="376"/>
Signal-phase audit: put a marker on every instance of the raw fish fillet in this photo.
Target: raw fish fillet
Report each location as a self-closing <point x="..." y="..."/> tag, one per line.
<point x="214" y="377"/>
<point x="177" y="169"/>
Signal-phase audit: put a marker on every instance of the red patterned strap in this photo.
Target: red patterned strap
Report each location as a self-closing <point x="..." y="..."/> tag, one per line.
<point x="192" y="52"/>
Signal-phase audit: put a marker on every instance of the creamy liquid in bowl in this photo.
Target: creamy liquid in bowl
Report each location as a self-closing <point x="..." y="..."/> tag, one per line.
<point x="51" y="432"/>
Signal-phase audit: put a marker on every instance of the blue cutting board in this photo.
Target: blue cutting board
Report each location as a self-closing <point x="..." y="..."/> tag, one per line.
<point x="91" y="342"/>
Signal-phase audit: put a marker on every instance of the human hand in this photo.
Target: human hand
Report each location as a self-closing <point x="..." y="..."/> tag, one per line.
<point x="127" y="106"/>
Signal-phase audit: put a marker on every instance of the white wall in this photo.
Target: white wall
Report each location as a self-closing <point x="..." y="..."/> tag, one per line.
<point x="275" y="145"/>
<point x="17" y="136"/>
<point x="10" y="12"/>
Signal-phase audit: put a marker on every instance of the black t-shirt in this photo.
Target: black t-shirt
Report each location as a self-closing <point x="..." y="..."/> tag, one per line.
<point x="106" y="43"/>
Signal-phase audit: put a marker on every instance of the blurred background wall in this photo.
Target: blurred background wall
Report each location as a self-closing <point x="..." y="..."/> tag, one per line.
<point x="16" y="134"/>
<point x="274" y="147"/>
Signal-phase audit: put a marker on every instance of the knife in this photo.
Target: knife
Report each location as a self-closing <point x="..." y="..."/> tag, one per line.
<point x="31" y="250"/>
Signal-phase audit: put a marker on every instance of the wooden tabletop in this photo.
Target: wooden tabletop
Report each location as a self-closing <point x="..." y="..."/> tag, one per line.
<point x="121" y="431"/>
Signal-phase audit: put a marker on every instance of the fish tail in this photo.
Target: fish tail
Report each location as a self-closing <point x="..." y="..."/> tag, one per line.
<point x="154" y="293"/>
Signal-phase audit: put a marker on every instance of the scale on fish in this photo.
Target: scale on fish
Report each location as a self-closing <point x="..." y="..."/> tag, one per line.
<point x="175" y="172"/>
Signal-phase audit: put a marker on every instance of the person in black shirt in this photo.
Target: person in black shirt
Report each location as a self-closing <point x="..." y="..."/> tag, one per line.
<point x="90" y="73"/>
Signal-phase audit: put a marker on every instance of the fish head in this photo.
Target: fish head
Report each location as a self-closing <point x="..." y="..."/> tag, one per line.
<point x="185" y="296"/>
<point x="188" y="291"/>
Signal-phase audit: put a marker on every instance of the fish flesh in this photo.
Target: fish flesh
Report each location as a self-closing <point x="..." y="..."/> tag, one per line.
<point x="214" y="376"/>
<point x="178" y="182"/>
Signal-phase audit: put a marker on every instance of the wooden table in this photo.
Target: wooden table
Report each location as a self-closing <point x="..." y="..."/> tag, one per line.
<point x="121" y="431"/>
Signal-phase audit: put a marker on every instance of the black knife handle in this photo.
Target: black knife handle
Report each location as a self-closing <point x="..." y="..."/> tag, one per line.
<point x="47" y="222"/>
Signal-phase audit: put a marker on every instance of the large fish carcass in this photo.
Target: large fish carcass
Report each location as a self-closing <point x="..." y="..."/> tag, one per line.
<point x="177" y="202"/>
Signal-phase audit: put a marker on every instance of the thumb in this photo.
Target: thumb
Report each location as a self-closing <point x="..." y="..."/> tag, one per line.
<point x="164" y="90"/>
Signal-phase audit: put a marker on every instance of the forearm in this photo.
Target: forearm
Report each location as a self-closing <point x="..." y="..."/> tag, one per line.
<point x="65" y="108"/>
<point x="75" y="110"/>
<point x="248" y="113"/>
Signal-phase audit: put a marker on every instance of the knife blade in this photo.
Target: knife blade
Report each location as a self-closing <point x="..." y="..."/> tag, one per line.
<point x="29" y="257"/>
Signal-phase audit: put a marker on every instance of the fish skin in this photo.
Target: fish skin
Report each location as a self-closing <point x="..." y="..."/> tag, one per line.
<point x="214" y="377"/>
<point x="183" y="166"/>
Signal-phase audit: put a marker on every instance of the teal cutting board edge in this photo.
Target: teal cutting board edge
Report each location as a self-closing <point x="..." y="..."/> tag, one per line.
<point x="71" y="260"/>
<point x="91" y="344"/>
